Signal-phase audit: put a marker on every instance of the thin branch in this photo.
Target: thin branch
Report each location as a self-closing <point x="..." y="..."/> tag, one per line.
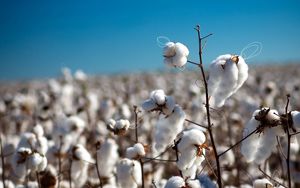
<point x="234" y="145"/>
<point x="191" y="62"/>
<point x="38" y="179"/>
<point x="207" y="36"/>
<point x="177" y="158"/>
<point x="280" y="148"/>
<point x="70" y="173"/>
<point x="264" y="173"/>
<point x="295" y="133"/>
<point x="287" y="115"/>
<point x="190" y="121"/>
<point x="156" y="157"/>
<point x="219" y="180"/>
<point x="153" y="159"/>
<point x="2" y="162"/>
<point x="153" y="183"/>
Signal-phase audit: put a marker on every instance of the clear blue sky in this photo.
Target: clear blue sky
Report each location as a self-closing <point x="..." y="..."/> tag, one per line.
<point x="37" y="38"/>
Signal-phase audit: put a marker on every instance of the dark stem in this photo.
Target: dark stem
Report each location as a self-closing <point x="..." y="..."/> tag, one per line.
<point x="193" y="63"/>
<point x="2" y="161"/>
<point x="177" y="158"/>
<point x="153" y="183"/>
<point x="59" y="159"/>
<point x="153" y="159"/>
<point x="234" y="145"/>
<point x="203" y="126"/>
<point x="219" y="180"/>
<point x="264" y="173"/>
<point x="289" y="142"/>
<point x="38" y="179"/>
<point x="70" y="173"/>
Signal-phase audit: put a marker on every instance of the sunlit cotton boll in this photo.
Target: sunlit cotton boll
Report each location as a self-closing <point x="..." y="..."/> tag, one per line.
<point x="175" y="54"/>
<point x="107" y="157"/>
<point x="158" y="101"/>
<point x="167" y="129"/>
<point x="259" y="146"/>
<point x="19" y="162"/>
<point x="118" y="127"/>
<point x="175" y="182"/>
<point x="37" y="162"/>
<point x="129" y="173"/>
<point x="80" y="162"/>
<point x="191" y="150"/>
<point x="136" y="151"/>
<point x="227" y="74"/>
<point x="262" y="183"/>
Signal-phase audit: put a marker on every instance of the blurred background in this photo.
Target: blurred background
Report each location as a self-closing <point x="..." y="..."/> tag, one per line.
<point x="37" y="38"/>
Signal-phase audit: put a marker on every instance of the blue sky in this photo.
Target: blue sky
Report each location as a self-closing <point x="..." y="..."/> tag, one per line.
<point x="37" y="38"/>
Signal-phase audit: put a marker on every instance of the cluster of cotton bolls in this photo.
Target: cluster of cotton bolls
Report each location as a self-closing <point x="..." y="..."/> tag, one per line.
<point x="79" y="130"/>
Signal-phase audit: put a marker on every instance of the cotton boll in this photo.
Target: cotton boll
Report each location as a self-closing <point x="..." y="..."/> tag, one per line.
<point x="296" y="119"/>
<point x="37" y="162"/>
<point x="118" y="127"/>
<point x="80" y="76"/>
<point x="175" y="182"/>
<point x="19" y="162"/>
<point x="175" y="54"/>
<point x="169" y="49"/>
<point x="262" y="183"/>
<point x="193" y="183"/>
<point x="38" y="130"/>
<point x="226" y="75"/>
<point x="167" y="128"/>
<point x="107" y="157"/>
<point x="189" y="158"/>
<point x="149" y="104"/>
<point x="129" y="173"/>
<point x="136" y="151"/>
<point x="8" y="184"/>
<point x="169" y="106"/>
<point x="158" y="96"/>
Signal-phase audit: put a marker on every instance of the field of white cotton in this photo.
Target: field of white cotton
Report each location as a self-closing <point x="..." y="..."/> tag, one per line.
<point x="147" y="130"/>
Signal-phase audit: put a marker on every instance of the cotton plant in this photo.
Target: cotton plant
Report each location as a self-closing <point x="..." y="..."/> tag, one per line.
<point x="191" y="150"/>
<point x="129" y="173"/>
<point x="227" y="74"/>
<point x="81" y="159"/>
<point x="167" y="128"/>
<point x="107" y="157"/>
<point x="179" y="182"/>
<point x="34" y="140"/>
<point x="25" y="161"/>
<point x="136" y="151"/>
<point x="259" y="146"/>
<point x="175" y="54"/>
<point x="158" y="101"/>
<point x="118" y="127"/>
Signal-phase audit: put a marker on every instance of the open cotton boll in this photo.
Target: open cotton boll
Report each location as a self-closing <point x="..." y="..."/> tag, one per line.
<point x="262" y="183"/>
<point x="129" y="173"/>
<point x="80" y="76"/>
<point x="136" y="151"/>
<point x="79" y="169"/>
<point x="107" y="157"/>
<point x="169" y="106"/>
<point x="31" y="141"/>
<point x="19" y="162"/>
<point x="118" y="127"/>
<point x="158" y="96"/>
<point x="259" y="146"/>
<point x="38" y="130"/>
<point x="167" y="129"/>
<point x="296" y="119"/>
<point x="191" y="150"/>
<point x="175" y="54"/>
<point x="227" y="74"/>
<point x="175" y="182"/>
<point x="37" y="162"/>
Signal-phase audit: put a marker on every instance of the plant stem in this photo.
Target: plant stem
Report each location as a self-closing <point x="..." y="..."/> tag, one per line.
<point x="70" y="173"/>
<point x="289" y="142"/>
<point x="97" y="168"/>
<point x="177" y="158"/>
<point x="38" y="179"/>
<point x="219" y="180"/>
<point x="2" y="162"/>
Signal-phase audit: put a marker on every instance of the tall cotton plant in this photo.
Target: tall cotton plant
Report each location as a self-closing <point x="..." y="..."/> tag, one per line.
<point x="227" y="74"/>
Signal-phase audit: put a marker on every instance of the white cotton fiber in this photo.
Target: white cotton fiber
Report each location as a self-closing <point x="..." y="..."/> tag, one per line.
<point x="129" y="173"/>
<point x="175" y="182"/>
<point x="188" y="160"/>
<point x="136" y="151"/>
<point x="259" y="146"/>
<point x="262" y="183"/>
<point x="158" y="96"/>
<point x="107" y="157"/>
<point x="175" y="54"/>
<point x="226" y="76"/>
<point x="167" y="129"/>
<point x="296" y="119"/>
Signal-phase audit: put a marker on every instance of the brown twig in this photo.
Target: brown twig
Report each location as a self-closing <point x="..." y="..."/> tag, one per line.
<point x="190" y="121"/>
<point x="219" y="180"/>
<point x="177" y="157"/>
<point x="98" y="144"/>
<point x="287" y="115"/>
<point x="2" y="161"/>
<point x="264" y="173"/>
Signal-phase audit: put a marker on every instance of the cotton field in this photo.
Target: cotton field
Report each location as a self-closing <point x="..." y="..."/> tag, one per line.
<point x="110" y="131"/>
